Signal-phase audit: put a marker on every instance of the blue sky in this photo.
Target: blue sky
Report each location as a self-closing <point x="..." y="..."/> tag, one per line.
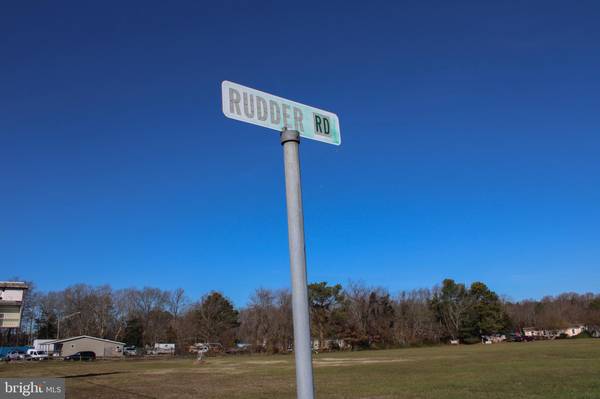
<point x="470" y="142"/>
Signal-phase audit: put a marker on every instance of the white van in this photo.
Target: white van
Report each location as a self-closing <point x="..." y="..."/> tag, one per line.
<point x="34" y="354"/>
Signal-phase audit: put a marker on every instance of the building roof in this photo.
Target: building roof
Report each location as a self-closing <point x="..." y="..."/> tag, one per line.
<point x="13" y="284"/>
<point x="58" y="341"/>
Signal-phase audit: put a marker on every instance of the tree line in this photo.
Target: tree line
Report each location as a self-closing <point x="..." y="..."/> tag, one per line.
<point x="352" y="317"/>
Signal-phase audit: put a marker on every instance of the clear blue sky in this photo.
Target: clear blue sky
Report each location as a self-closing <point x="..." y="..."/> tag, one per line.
<point x="470" y="144"/>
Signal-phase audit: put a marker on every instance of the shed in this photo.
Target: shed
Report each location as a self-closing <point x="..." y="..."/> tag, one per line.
<point x="100" y="346"/>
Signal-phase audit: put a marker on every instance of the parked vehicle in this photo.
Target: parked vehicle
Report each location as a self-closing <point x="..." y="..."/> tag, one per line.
<point x="15" y="355"/>
<point x="33" y="354"/>
<point x="130" y="351"/>
<point x="83" y="356"/>
<point x="515" y="338"/>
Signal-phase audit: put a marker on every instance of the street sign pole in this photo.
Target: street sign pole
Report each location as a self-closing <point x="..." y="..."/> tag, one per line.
<point x="290" y="140"/>
<point x="249" y="105"/>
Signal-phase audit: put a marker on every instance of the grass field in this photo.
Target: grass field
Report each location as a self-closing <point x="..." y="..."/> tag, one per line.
<point x="556" y="369"/>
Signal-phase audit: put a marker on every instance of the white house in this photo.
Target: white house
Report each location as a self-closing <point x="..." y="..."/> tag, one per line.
<point x="572" y="330"/>
<point x="539" y="333"/>
<point x="163" y="349"/>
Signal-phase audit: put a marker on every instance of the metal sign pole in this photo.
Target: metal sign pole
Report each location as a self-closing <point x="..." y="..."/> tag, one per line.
<point x="290" y="140"/>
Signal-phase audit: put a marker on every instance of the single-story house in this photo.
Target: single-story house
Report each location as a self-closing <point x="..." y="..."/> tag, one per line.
<point x="537" y="332"/>
<point x="100" y="346"/>
<point x="573" y="330"/>
<point x="162" y="349"/>
<point x="570" y="331"/>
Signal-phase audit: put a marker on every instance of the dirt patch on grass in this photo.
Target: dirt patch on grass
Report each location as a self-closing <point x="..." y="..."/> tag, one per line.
<point x="201" y="369"/>
<point x="159" y="372"/>
<point x="337" y="361"/>
<point x="259" y="362"/>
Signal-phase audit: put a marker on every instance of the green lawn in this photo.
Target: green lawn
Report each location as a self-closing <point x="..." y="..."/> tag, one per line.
<point x="544" y="370"/>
